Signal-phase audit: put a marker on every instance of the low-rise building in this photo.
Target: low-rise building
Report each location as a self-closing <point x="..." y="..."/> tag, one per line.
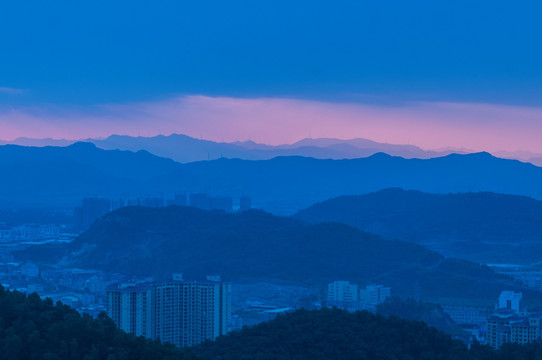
<point x="503" y="327"/>
<point x="467" y="315"/>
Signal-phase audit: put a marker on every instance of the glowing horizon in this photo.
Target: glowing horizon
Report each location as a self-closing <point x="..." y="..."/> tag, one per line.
<point x="277" y="121"/>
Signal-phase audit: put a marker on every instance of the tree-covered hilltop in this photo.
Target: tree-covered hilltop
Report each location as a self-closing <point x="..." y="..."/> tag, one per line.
<point x="32" y="328"/>
<point x="333" y="334"/>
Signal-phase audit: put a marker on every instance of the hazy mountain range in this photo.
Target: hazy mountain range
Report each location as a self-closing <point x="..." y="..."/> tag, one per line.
<point x="61" y="176"/>
<point x="183" y="148"/>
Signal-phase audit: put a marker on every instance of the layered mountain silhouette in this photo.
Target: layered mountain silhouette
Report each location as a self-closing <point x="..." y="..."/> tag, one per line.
<point x="61" y="176"/>
<point x="183" y="148"/>
<point x="487" y="227"/>
<point x="255" y="246"/>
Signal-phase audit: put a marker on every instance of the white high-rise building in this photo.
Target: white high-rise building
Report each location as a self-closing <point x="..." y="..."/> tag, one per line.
<point x="188" y="313"/>
<point x="180" y="312"/>
<point x="129" y="305"/>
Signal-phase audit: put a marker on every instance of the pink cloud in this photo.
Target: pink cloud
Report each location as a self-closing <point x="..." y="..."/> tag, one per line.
<point x="276" y="121"/>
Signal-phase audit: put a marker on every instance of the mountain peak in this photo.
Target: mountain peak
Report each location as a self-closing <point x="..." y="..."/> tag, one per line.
<point x="82" y="145"/>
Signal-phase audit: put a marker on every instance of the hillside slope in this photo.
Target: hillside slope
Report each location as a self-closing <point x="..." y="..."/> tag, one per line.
<point x="484" y="227"/>
<point x="255" y="246"/>
<point x="337" y="335"/>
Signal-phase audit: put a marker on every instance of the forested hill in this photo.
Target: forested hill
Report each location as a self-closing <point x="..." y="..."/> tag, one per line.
<point x="35" y="329"/>
<point x="484" y="227"/>
<point x="255" y="246"/>
<point x="332" y="334"/>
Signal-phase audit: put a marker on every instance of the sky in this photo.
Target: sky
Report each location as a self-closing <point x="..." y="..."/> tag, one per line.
<point x="433" y="74"/>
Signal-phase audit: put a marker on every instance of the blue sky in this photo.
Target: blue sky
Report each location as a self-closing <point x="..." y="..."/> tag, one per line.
<point x="432" y="73"/>
<point x="81" y="52"/>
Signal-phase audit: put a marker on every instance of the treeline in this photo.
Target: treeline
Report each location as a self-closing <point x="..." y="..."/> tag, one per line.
<point x="32" y="328"/>
<point x="332" y="334"/>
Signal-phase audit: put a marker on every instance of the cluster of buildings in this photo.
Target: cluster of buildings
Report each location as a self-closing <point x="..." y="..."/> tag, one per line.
<point x="29" y="232"/>
<point x="343" y="294"/>
<point x="84" y="290"/>
<point x="184" y="313"/>
<point x="507" y="322"/>
<point x="469" y="317"/>
<point x="529" y="276"/>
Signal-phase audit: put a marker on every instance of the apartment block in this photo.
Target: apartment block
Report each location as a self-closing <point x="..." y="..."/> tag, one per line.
<point x="181" y="312"/>
<point x="374" y="294"/>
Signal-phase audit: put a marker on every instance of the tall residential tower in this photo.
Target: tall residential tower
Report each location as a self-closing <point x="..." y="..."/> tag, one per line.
<point x="180" y="312"/>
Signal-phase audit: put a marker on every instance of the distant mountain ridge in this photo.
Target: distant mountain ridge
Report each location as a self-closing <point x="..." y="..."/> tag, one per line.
<point x="61" y="176"/>
<point x="183" y="148"/>
<point x="296" y="182"/>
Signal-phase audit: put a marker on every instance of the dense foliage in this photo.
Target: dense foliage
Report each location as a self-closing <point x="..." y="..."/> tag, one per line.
<point x="31" y="328"/>
<point x="335" y="334"/>
<point x="332" y="334"/>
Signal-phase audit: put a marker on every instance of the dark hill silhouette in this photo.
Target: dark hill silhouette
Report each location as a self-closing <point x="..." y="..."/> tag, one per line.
<point x="120" y="164"/>
<point x="255" y="246"/>
<point x="332" y="334"/>
<point x="485" y="227"/>
<point x="61" y="176"/>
